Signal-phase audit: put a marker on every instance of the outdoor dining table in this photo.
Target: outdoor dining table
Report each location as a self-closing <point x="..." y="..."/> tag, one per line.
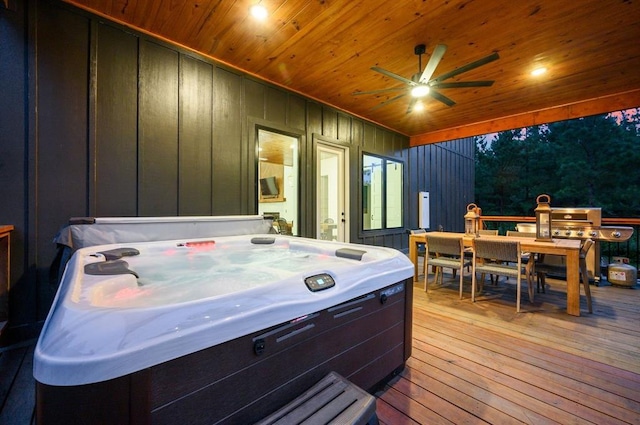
<point x="568" y="248"/>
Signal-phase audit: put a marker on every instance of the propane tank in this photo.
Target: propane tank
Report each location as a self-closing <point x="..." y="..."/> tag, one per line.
<point x="621" y="273"/>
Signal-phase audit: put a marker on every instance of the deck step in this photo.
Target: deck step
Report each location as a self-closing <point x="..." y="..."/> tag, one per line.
<point x="333" y="400"/>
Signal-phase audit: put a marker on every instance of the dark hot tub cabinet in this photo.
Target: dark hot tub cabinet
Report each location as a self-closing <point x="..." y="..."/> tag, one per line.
<point x="153" y="325"/>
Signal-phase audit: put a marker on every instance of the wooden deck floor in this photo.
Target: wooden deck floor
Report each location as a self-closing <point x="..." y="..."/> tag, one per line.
<point x="476" y="363"/>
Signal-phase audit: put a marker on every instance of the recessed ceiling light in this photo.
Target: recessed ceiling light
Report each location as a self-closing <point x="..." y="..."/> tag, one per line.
<point x="420" y="91"/>
<point x="539" y="71"/>
<point x="419" y="106"/>
<point x="258" y="11"/>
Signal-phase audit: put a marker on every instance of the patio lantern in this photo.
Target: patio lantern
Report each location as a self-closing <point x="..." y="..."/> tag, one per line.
<point x="543" y="218"/>
<point x="472" y="220"/>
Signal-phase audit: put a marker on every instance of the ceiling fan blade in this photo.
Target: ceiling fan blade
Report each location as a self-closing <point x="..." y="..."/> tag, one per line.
<point x="442" y="98"/>
<point x="356" y="93"/>
<point x="462" y="84"/>
<point x="386" y="102"/>
<point x="468" y="67"/>
<point x="434" y="60"/>
<point x="392" y="75"/>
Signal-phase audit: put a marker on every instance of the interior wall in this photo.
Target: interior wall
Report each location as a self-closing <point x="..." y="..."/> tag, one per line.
<point x="98" y="120"/>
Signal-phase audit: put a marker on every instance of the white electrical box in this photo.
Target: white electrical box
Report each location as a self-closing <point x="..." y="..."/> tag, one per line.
<point x="423" y="210"/>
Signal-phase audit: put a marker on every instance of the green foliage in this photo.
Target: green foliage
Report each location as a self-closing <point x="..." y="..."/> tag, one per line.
<point x="586" y="162"/>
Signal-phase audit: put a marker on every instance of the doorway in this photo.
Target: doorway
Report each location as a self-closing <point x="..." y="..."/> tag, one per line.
<point x="331" y="192"/>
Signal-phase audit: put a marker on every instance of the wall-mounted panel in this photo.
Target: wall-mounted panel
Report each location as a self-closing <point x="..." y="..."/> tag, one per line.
<point x="116" y="124"/>
<point x="195" y="158"/>
<point x="158" y="131"/>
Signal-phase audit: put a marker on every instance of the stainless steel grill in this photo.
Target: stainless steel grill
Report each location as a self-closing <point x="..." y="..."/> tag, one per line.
<point x="585" y="223"/>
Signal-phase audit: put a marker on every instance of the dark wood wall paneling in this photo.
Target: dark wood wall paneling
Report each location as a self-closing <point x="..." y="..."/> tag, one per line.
<point x="14" y="151"/>
<point x="158" y="130"/>
<point x="314" y="125"/>
<point x="125" y="125"/>
<point x="116" y="123"/>
<point x="446" y="171"/>
<point x="255" y="99"/>
<point x="195" y="137"/>
<point x="227" y="148"/>
<point x="60" y="156"/>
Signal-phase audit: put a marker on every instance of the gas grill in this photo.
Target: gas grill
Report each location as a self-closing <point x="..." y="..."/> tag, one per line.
<point x="585" y="223"/>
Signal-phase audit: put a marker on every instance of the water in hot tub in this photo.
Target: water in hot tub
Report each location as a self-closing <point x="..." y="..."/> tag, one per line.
<point x="180" y="274"/>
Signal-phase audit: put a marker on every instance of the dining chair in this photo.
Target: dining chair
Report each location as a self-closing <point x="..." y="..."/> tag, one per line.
<point x="499" y="257"/>
<point x="519" y="234"/>
<point x="486" y="232"/>
<point x="526" y="256"/>
<point x="284" y="227"/>
<point x="541" y="269"/>
<point x="326" y="229"/>
<point x="468" y="251"/>
<point x="444" y="251"/>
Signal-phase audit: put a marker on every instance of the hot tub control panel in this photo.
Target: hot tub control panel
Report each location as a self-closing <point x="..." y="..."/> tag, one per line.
<point x="319" y="282"/>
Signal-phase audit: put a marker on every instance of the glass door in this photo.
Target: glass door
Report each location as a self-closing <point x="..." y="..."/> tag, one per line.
<point x="331" y="192"/>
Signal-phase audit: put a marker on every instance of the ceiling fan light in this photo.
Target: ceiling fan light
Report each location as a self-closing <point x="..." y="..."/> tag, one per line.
<point x="420" y="91"/>
<point x="539" y="71"/>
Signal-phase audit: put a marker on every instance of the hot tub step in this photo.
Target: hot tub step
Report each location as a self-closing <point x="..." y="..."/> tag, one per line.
<point x="333" y="400"/>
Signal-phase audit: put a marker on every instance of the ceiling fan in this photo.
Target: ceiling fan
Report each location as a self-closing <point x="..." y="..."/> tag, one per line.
<point x="421" y="84"/>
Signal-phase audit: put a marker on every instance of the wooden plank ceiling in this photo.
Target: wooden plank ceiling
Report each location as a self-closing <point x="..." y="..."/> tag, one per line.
<point x="324" y="49"/>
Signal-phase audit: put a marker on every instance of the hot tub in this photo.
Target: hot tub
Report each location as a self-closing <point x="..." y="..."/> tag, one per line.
<point x="217" y="330"/>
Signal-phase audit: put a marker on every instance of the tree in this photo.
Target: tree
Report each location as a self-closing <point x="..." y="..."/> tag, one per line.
<point x="586" y="162"/>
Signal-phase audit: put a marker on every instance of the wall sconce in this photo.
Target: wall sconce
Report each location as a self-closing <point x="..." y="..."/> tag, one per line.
<point x="472" y="220"/>
<point x="543" y="218"/>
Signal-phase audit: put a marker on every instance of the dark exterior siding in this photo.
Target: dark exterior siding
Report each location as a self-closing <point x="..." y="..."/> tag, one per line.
<point x="195" y="130"/>
<point x="14" y="160"/>
<point x="227" y="164"/>
<point x="98" y="120"/>
<point x="115" y="123"/>
<point x="60" y="155"/>
<point x="158" y="131"/>
<point x="446" y="171"/>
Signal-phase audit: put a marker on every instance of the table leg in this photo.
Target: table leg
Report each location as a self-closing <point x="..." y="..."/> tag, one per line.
<point x="413" y="256"/>
<point x="573" y="282"/>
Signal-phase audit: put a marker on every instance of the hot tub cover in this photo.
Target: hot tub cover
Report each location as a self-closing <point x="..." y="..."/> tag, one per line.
<point x="90" y="231"/>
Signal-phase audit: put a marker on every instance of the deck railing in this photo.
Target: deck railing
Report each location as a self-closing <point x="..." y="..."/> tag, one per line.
<point x="629" y="248"/>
